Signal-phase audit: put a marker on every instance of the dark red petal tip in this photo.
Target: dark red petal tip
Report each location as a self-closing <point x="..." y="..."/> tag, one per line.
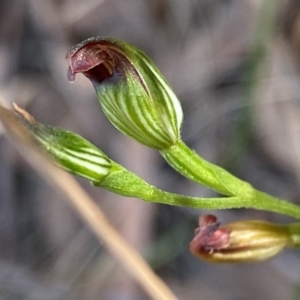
<point x="209" y="236"/>
<point x="75" y="48"/>
<point x="93" y="58"/>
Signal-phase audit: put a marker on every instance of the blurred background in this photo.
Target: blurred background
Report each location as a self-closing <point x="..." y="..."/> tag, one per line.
<point x="234" y="64"/>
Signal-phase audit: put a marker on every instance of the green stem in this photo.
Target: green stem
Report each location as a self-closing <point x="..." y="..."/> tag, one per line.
<point x="126" y="183"/>
<point x="191" y="165"/>
<point x="264" y="201"/>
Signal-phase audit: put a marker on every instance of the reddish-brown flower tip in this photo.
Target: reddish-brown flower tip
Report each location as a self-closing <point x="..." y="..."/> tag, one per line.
<point x="209" y="236"/>
<point x="95" y="58"/>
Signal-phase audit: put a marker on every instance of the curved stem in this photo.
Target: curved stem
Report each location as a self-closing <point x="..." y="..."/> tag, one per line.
<point x="194" y="167"/>
<point x="191" y="165"/>
<point x="126" y="183"/>
<point x="264" y="201"/>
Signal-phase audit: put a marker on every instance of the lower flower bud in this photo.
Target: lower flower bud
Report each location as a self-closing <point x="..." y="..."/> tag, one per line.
<point x="70" y="151"/>
<point x="242" y="241"/>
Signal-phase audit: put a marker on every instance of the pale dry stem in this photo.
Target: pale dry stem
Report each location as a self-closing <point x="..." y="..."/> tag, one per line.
<point x="85" y="207"/>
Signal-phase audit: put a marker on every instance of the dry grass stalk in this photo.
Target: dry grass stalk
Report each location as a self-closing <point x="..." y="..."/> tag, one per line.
<point x="85" y="207"/>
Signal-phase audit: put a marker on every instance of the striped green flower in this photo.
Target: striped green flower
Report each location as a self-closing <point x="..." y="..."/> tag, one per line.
<point x="133" y="93"/>
<point x="71" y="151"/>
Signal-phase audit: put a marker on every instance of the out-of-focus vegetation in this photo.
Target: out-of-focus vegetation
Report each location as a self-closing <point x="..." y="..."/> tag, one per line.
<point x="204" y="48"/>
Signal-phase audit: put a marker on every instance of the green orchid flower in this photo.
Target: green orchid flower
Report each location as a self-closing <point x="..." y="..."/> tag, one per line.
<point x="133" y="93"/>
